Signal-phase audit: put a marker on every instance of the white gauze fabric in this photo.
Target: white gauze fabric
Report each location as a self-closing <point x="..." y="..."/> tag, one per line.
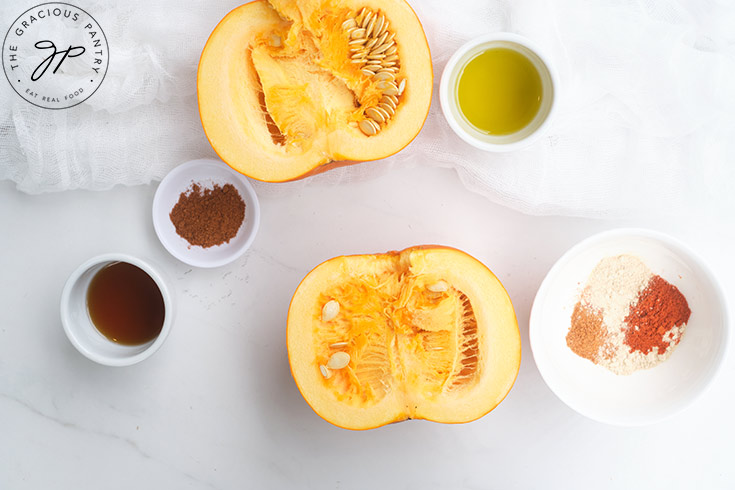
<point x="645" y="121"/>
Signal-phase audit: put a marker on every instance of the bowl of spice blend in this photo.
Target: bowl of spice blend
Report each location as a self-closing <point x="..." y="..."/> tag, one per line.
<point x="629" y="327"/>
<point x="205" y="213"/>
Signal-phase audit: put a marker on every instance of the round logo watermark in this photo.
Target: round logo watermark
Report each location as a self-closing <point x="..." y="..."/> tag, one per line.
<point x="55" y="55"/>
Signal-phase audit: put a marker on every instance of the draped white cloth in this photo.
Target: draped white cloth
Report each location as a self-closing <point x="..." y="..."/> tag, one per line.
<point x="645" y="121"/>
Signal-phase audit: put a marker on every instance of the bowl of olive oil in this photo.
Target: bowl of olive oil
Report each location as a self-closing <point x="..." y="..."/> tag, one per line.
<point x="498" y="92"/>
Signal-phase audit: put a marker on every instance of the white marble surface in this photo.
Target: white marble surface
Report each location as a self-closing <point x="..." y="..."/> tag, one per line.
<point x="217" y="408"/>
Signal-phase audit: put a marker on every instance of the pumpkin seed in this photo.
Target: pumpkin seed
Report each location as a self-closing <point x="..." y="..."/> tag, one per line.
<point x="357" y="42"/>
<point x="367" y="127"/>
<point x="366" y="19"/>
<point x="373" y="56"/>
<point x="392" y="49"/>
<point x="387" y="108"/>
<point x="384" y="27"/>
<point x="374" y="114"/>
<point x="325" y="371"/>
<point x="384" y="85"/>
<point x="349" y="23"/>
<point x="401" y="86"/>
<point x="384" y="75"/>
<point x="338" y="360"/>
<point x="370" y="26"/>
<point x="392" y="98"/>
<point x="338" y="345"/>
<point x="385" y="99"/>
<point x="367" y="71"/>
<point x="358" y="33"/>
<point x="391" y="57"/>
<point x="374" y="124"/>
<point x="378" y="27"/>
<point x="382" y="112"/>
<point x="380" y="49"/>
<point x="382" y="39"/>
<point x="371" y="43"/>
<point x="438" y="287"/>
<point x="330" y="310"/>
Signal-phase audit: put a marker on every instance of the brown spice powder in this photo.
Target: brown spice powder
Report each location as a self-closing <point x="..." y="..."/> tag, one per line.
<point x="587" y="334"/>
<point x="208" y="217"/>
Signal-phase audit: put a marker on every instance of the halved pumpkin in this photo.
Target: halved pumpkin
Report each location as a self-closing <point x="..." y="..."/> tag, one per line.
<point x="426" y="333"/>
<point x="286" y="87"/>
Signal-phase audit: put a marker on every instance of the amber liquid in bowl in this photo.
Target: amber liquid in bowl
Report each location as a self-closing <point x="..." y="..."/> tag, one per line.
<point x="125" y="304"/>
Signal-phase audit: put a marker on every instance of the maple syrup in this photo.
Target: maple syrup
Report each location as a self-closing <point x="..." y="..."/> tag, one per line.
<point x="125" y="304"/>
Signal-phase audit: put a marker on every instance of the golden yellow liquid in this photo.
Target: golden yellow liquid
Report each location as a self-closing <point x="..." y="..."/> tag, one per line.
<point x="499" y="91"/>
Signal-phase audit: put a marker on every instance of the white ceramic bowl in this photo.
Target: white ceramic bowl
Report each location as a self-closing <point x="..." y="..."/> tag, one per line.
<point x="207" y="173"/>
<point x="84" y="335"/>
<point x="450" y="104"/>
<point x="646" y="396"/>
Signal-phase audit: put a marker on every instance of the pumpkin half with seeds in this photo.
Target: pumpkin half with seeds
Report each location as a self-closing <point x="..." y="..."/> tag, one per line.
<point x="426" y="333"/>
<point x="291" y="88"/>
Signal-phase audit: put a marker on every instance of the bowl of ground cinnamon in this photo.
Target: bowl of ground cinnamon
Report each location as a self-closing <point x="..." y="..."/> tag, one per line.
<point x="629" y="327"/>
<point x="205" y="214"/>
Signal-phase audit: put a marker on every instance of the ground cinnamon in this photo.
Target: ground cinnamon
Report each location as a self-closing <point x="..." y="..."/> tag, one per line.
<point x="660" y="308"/>
<point x="586" y="334"/>
<point x="207" y="217"/>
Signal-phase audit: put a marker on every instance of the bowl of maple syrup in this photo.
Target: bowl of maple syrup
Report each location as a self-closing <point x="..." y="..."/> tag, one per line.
<point x="116" y="309"/>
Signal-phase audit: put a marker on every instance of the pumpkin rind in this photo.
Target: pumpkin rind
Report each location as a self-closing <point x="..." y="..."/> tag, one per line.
<point x="430" y="333"/>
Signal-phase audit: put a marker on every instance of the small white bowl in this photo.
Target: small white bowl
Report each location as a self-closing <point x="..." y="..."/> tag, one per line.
<point x="646" y="396"/>
<point x="84" y="335"/>
<point x="450" y="105"/>
<point x="207" y="173"/>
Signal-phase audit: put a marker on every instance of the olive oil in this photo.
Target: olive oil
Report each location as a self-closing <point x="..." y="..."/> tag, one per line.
<point x="125" y="304"/>
<point x="499" y="91"/>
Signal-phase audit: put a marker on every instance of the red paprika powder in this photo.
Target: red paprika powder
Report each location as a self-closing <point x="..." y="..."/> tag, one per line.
<point x="660" y="308"/>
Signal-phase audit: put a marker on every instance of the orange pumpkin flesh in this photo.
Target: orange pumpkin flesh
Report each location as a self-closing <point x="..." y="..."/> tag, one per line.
<point x="430" y="333"/>
<point x="281" y="98"/>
